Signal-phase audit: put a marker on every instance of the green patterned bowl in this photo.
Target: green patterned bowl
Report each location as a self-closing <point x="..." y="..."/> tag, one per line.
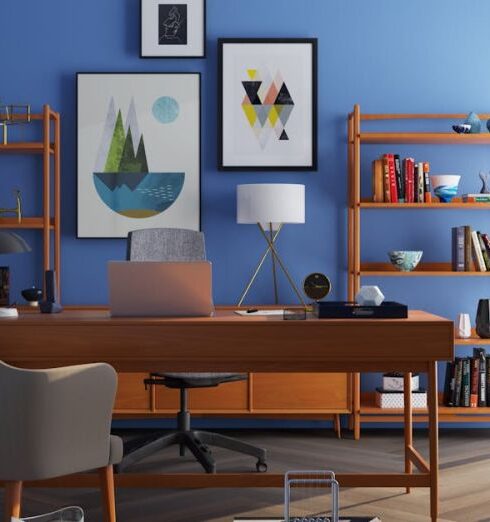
<point x="405" y="260"/>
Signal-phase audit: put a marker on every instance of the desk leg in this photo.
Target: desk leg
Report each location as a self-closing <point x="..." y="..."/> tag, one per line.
<point x="356" y="405"/>
<point x="434" y="440"/>
<point x="407" y="395"/>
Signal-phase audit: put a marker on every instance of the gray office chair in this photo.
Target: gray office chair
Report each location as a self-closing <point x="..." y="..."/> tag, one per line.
<point x="57" y="422"/>
<point x="162" y="244"/>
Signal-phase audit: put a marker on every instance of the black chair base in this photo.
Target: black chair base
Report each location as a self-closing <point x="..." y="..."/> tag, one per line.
<point x="195" y="441"/>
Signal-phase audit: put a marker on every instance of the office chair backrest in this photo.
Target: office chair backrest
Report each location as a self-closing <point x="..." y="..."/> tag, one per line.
<point x="55" y="422"/>
<point x="166" y="244"/>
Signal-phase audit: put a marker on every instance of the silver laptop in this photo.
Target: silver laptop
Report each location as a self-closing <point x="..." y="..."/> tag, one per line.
<point x="160" y="289"/>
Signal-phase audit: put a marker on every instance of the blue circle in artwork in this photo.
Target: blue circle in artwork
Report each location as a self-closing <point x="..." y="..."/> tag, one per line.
<point x="166" y="109"/>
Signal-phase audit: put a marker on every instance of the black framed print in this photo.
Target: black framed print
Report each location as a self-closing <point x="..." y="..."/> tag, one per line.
<point x="173" y="28"/>
<point x="267" y="104"/>
<point x="138" y="152"/>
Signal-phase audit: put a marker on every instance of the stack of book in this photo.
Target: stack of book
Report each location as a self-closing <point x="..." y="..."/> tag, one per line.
<point x="470" y="250"/>
<point x="391" y="394"/>
<point x="400" y="181"/>
<point x="467" y="382"/>
<point x="476" y="198"/>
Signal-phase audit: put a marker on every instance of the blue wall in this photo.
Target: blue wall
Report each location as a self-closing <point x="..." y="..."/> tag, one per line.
<point x="415" y="56"/>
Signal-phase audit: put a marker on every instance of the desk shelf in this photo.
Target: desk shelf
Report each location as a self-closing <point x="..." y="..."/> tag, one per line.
<point x="422" y="270"/>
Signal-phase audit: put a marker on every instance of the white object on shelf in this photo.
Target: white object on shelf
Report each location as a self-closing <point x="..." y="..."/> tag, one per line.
<point x="396" y="383"/>
<point x="370" y="296"/>
<point x="464" y="326"/>
<point x="8" y="312"/>
<point x="393" y="400"/>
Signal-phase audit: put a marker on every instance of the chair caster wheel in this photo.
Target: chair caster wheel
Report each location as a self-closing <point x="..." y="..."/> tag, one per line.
<point x="261" y="466"/>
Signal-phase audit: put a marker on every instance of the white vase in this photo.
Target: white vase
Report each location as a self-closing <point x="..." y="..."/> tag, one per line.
<point x="464" y="326"/>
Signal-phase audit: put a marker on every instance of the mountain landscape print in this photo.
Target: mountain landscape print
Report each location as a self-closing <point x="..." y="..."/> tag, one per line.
<point x="122" y="176"/>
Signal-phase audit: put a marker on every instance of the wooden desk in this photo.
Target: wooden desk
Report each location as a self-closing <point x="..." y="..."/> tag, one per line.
<point x="228" y="342"/>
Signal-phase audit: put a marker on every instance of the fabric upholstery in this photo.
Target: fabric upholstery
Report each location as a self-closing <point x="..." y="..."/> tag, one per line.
<point x="175" y="244"/>
<point x="56" y="422"/>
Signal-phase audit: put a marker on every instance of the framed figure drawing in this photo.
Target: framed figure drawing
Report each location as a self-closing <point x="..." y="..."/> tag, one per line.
<point x="138" y="142"/>
<point x="268" y="104"/>
<point x="173" y="28"/>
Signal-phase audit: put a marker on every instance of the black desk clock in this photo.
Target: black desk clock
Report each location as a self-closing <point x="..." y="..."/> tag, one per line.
<point x="316" y="286"/>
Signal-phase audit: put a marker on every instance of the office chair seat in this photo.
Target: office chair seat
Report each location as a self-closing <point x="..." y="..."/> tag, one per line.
<point x="197" y="380"/>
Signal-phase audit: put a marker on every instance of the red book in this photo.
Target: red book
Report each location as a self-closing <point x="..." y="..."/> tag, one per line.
<point x="409" y="185"/>
<point x="391" y="167"/>
<point x="474" y="386"/>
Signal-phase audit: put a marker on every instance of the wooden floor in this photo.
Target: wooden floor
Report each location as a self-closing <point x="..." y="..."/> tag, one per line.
<point x="465" y="480"/>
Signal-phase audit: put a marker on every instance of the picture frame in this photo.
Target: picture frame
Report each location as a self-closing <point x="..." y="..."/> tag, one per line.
<point x="138" y="152"/>
<point x="267" y="104"/>
<point x="172" y="29"/>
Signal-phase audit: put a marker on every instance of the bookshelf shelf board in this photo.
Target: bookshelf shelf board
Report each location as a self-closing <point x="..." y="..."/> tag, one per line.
<point x="26" y="223"/>
<point x="422" y="270"/>
<point x="27" y="147"/>
<point x="424" y="138"/>
<point x="474" y="340"/>
<point x="368" y="407"/>
<point x="455" y="204"/>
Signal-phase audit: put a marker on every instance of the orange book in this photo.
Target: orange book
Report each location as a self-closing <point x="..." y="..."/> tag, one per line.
<point x="386" y="180"/>
<point x="427" y="190"/>
<point x="377" y="181"/>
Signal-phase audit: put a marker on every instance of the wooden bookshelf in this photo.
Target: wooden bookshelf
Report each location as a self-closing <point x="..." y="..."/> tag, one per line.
<point x="363" y="405"/>
<point x="50" y="221"/>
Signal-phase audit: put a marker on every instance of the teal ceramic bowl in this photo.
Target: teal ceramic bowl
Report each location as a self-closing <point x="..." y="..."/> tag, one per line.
<point x="405" y="260"/>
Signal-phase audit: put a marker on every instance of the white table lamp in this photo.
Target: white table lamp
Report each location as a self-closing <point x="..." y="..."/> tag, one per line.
<point x="270" y="206"/>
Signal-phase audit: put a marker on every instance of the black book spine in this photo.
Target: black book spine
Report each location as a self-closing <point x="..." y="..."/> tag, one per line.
<point x="448" y="384"/>
<point x="458" y="249"/>
<point x="457" y="381"/>
<point x="480" y="354"/>
<point x="487" y="380"/>
<point x="465" y="383"/>
<point x="400" y="182"/>
<point x="468" y="259"/>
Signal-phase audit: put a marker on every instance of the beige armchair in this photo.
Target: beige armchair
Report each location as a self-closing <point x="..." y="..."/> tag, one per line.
<point x="54" y="423"/>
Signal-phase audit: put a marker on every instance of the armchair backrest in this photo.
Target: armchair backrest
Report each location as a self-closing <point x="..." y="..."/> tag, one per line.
<point x="55" y="422"/>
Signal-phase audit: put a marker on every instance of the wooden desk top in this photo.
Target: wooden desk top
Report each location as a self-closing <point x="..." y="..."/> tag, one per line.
<point x="225" y="342"/>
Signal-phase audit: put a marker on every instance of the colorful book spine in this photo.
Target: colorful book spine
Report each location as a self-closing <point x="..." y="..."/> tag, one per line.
<point x="476" y="198"/>
<point x="465" y="383"/>
<point x="393" y="189"/>
<point x="474" y="382"/>
<point x="386" y="179"/>
<point x="477" y="253"/>
<point x="487" y="380"/>
<point x="480" y="354"/>
<point x="410" y="190"/>
<point x="400" y="182"/>
<point x="427" y="187"/>
<point x="458" y="249"/>
<point x="449" y="384"/>
<point x="486" y="241"/>
<point x="457" y="381"/>
<point x="420" y="182"/>
<point x="484" y="252"/>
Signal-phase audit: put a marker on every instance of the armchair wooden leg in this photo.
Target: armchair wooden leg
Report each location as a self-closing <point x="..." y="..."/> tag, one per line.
<point x="106" y="477"/>
<point x="337" y="426"/>
<point x="13" y="495"/>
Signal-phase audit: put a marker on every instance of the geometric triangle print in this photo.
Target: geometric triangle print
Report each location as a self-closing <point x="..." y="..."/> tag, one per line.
<point x="262" y="112"/>
<point x="284" y="98"/>
<point x="252" y="73"/>
<point x="250" y="113"/>
<point x="251" y="88"/>
<point x="273" y="116"/>
<point x="285" y="113"/>
<point x="284" y="136"/>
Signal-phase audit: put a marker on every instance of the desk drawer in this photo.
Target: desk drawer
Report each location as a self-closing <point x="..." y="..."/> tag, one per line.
<point x="299" y="391"/>
<point x="131" y="394"/>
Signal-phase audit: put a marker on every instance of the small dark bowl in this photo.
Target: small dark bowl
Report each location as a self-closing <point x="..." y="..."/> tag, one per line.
<point x="32" y="295"/>
<point x="462" y="128"/>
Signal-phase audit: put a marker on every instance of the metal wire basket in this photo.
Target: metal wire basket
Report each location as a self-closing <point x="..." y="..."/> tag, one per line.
<point x="69" y="514"/>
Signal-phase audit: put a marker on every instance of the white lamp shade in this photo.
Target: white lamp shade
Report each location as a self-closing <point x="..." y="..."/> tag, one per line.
<point x="270" y="203"/>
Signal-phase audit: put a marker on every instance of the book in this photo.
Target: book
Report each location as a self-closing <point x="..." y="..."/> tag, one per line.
<point x="476" y="198"/>
<point x="468" y="259"/>
<point x="458" y="249"/>
<point x="486" y="241"/>
<point x="400" y="188"/>
<point x="427" y="187"/>
<point x="474" y="381"/>
<point x="386" y="179"/>
<point x="477" y="252"/>
<point x="480" y="354"/>
<point x="487" y="380"/>
<point x="409" y="180"/>
<point x="484" y="252"/>
<point x="448" y="384"/>
<point x="465" y="383"/>
<point x="457" y="381"/>
<point x="392" y="178"/>
<point x="420" y="182"/>
<point x="377" y="181"/>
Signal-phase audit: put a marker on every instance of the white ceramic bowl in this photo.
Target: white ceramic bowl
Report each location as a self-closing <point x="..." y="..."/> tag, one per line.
<point x="445" y="186"/>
